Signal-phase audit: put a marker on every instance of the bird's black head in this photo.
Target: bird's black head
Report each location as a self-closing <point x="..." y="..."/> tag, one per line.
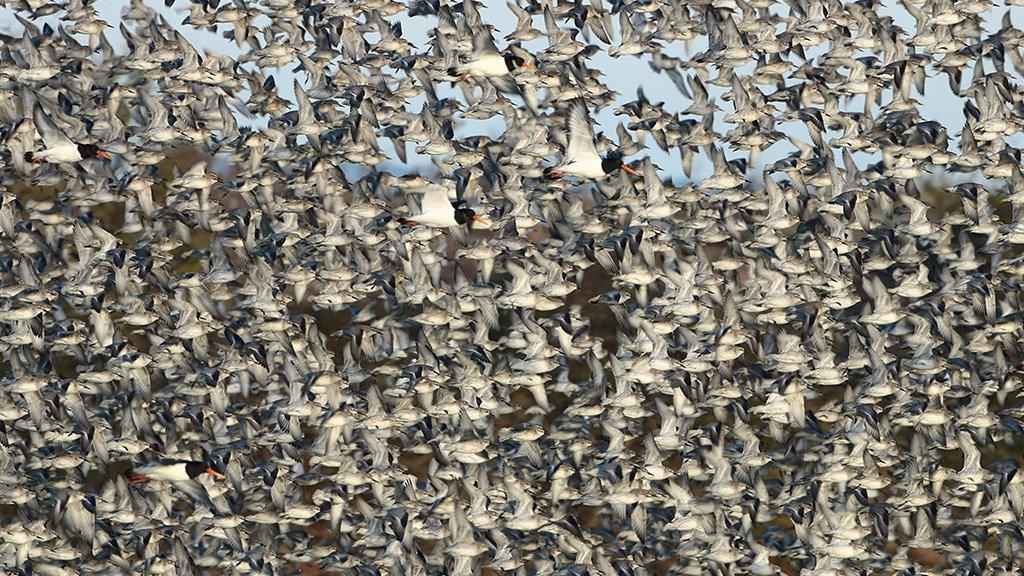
<point x="194" y="468"/>
<point x="613" y="161"/>
<point x="513" y="61"/>
<point x="465" y="216"/>
<point x="92" y="151"/>
<point x="611" y="164"/>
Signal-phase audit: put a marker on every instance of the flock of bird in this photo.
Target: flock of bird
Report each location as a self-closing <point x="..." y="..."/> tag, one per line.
<point x="254" y="328"/>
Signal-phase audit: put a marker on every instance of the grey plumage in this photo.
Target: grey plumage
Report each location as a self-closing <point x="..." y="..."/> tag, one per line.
<point x="641" y="287"/>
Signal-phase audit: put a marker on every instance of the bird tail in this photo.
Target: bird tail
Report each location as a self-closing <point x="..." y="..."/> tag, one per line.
<point x="388" y="215"/>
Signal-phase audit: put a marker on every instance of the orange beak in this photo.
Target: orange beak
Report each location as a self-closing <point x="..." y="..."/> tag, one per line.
<point x="103" y="154"/>
<point x="214" y="473"/>
<point x="477" y="218"/>
<point x="628" y="169"/>
<point x="529" y="66"/>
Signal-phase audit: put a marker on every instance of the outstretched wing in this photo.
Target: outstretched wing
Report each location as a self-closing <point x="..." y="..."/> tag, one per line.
<point x="436" y="200"/>
<point x="504" y="84"/>
<point x="483" y="42"/>
<point x="53" y="136"/>
<point x="581" y="134"/>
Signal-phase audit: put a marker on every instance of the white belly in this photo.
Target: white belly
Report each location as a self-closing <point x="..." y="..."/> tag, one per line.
<point x="590" y="169"/>
<point x="487" y="65"/>
<point x="165" y="472"/>
<point x="436" y="219"/>
<point x="61" y="153"/>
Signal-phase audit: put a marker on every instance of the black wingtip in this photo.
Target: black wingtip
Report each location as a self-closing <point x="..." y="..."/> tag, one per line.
<point x="29" y="157"/>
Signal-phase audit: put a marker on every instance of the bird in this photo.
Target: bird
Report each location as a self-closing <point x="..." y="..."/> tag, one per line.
<point x="366" y="270"/>
<point x="439" y="210"/>
<point x="172" y="470"/>
<point x="486" y="61"/>
<point x="58" y="148"/>
<point x="581" y="158"/>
